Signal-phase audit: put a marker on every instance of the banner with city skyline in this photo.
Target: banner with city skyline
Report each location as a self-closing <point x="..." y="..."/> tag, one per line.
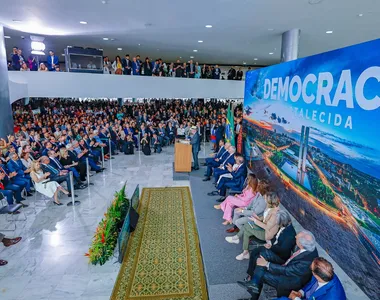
<point x="311" y="129"/>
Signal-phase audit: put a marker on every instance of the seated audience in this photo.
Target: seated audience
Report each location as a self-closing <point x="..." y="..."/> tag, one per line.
<point x="286" y="277"/>
<point x="71" y="162"/>
<point x="22" y="176"/>
<point x="279" y="248"/>
<point x="263" y="228"/>
<point x="222" y="168"/>
<point x="256" y="206"/>
<point x="54" y="174"/>
<point x="242" y="200"/>
<point x="45" y="186"/>
<point x="324" y="285"/>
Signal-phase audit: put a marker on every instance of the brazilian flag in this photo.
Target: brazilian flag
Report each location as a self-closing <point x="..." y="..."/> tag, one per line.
<point x="230" y="132"/>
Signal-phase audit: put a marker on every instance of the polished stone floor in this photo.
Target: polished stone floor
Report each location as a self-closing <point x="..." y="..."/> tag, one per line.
<point x="49" y="262"/>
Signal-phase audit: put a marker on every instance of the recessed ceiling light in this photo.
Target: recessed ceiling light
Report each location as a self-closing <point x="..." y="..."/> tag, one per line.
<point x="63" y="54"/>
<point x="17" y="21"/>
<point x="158" y="49"/>
<point x="139" y="44"/>
<point x="83" y="22"/>
<point x="200" y="41"/>
<point x="180" y="57"/>
<point x="270" y="53"/>
<point x="270" y="29"/>
<point x="255" y="59"/>
<point x="329" y="31"/>
<point x="119" y="49"/>
<point x="7" y="37"/>
<point x="105" y="39"/>
<point x="244" y="63"/>
<point x="195" y="50"/>
<point x="191" y="56"/>
<point x="360" y="15"/>
<point x="208" y="26"/>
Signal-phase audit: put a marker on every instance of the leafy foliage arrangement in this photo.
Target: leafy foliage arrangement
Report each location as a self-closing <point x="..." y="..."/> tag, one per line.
<point x="105" y="238"/>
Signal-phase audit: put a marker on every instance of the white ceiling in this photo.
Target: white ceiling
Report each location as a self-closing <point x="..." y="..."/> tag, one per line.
<point x="239" y="33"/>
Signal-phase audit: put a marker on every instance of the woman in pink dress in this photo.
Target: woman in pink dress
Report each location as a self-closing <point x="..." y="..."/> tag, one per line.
<point x="241" y="200"/>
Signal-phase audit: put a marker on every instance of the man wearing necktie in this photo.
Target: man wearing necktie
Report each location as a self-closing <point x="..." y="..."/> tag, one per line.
<point x="55" y="175"/>
<point x="324" y="285"/>
<point x="287" y="277"/>
<point x="22" y="177"/>
<point x="55" y="163"/>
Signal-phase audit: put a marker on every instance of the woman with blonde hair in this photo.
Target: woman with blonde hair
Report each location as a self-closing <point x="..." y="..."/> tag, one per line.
<point x="263" y="228"/>
<point x="42" y="68"/>
<point x="241" y="200"/>
<point x="43" y="185"/>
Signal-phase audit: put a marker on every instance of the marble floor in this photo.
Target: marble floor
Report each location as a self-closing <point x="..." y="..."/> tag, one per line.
<point x="49" y="262"/>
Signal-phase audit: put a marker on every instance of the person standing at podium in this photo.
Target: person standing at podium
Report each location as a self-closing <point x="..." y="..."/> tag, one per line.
<point x="195" y="141"/>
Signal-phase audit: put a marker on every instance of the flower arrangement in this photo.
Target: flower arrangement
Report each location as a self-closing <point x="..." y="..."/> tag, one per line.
<point x="105" y="237"/>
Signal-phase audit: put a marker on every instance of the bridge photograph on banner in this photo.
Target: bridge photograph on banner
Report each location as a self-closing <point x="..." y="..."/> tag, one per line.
<point x="311" y="128"/>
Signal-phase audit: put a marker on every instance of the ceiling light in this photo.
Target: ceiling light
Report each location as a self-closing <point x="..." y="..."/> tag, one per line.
<point x="38" y="46"/>
<point x="119" y="49"/>
<point x="270" y="53"/>
<point x="105" y="39"/>
<point x="195" y="50"/>
<point x="208" y="26"/>
<point x="17" y="21"/>
<point x="63" y="54"/>
<point x="244" y="63"/>
<point x="158" y="49"/>
<point x="191" y="56"/>
<point x="329" y="31"/>
<point x="180" y="57"/>
<point x="255" y="59"/>
<point x="139" y="44"/>
<point x="270" y="29"/>
<point x="200" y="41"/>
<point x="360" y="15"/>
<point x="7" y="37"/>
<point x="112" y="39"/>
<point x="36" y="52"/>
<point x="83" y="22"/>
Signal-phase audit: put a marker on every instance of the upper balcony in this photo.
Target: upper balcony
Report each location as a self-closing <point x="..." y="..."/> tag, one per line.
<point x="81" y="85"/>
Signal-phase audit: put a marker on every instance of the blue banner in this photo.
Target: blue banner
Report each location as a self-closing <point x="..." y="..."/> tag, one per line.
<point x="312" y="127"/>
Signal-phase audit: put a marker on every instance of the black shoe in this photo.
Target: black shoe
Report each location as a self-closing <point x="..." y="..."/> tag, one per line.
<point x="23" y="205"/>
<point x="250" y="287"/>
<point x="247" y="279"/>
<point x="22" y="198"/>
<point x="214" y="193"/>
<point x="99" y="171"/>
<point x="195" y="169"/>
<point x="59" y="204"/>
<point x="69" y="195"/>
<point x="29" y="194"/>
<point x="221" y="199"/>
<point x="207" y="179"/>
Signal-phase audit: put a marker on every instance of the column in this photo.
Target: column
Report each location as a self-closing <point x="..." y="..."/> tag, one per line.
<point x="289" y="45"/>
<point x="6" y="124"/>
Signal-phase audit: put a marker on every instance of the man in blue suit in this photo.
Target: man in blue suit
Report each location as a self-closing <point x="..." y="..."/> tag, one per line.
<point x="9" y="190"/>
<point x="234" y="179"/>
<point x="217" y="159"/>
<point x="222" y="169"/>
<point x="324" y="285"/>
<point x="52" y="61"/>
<point x="22" y="177"/>
<point x="195" y="143"/>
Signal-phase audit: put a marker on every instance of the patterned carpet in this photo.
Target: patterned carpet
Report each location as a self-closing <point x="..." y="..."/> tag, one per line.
<point x="163" y="260"/>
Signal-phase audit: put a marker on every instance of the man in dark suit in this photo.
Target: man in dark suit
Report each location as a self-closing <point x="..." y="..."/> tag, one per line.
<point x="231" y="74"/>
<point x="324" y="285"/>
<point x="291" y="275"/>
<point x="216" y="159"/>
<point x="52" y="61"/>
<point x="127" y="65"/>
<point x="9" y="190"/>
<point x="279" y="248"/>
<point x="55" y="175"/>
<point x="191" y="69"/>
<point x="22" y="177"/>
<point x="229" y="160"/>
<point x="234" y="179"/>
<point x="195" y="143"/>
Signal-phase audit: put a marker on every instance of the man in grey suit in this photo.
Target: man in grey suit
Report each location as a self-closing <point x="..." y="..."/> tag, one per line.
<point x="195" y="143"/>
<point x="257" y="206"/>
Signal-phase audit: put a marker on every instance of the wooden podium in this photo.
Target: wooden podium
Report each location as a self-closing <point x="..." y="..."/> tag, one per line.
<point x="182" y="156"/>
